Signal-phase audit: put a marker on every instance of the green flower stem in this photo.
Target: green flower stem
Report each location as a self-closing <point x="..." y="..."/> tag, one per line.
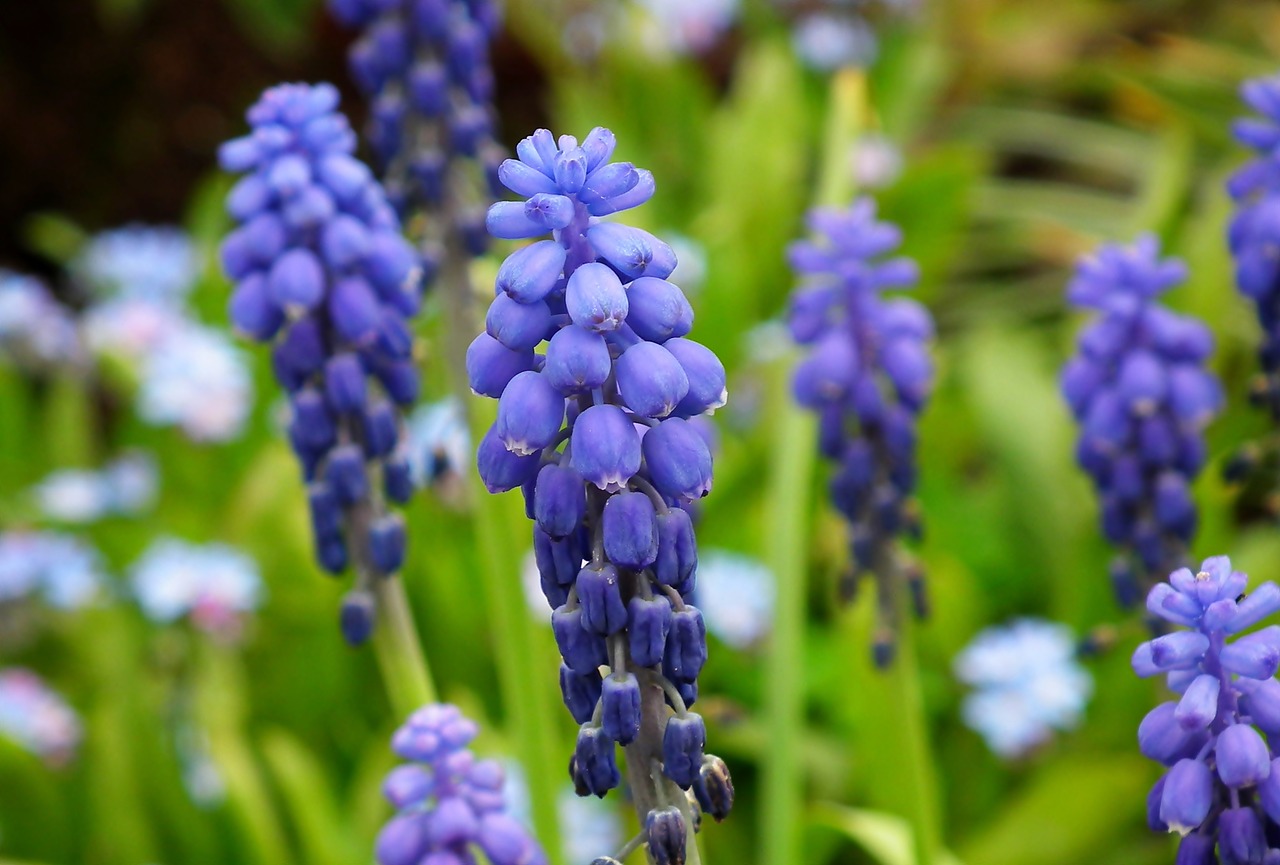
<point x="399" y="651"/>
<point x="220" y="709"/>
<point x="526" y="666"/>
<point x="847" y="116"/>
<point x="791" y="476"/>
<point x="790" y="480"/>
<point x="908" y="705"/>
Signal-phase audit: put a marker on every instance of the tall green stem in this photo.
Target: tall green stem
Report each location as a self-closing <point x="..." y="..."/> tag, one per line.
<point x="524" y="664"/>
<point x="524" y="661"/>
<point x="791" y="474"/>
<point x="399" y="650"/>
<point x="909" y="710"/>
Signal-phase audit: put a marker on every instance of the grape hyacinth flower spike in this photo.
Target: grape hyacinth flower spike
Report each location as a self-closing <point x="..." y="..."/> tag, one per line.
<point x="1252" y="237"/>
<point x="595" y="429"/>
<point x="867" y="375"/>
<point x="1222" y="788"/>
<point x="1139" y="389"/>
<point x="423" y="65"/>
<point x="448" y="803"/>
<point x="323" y="273"/>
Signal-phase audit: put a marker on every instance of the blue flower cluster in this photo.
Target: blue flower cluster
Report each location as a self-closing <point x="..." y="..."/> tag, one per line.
<point x="62" y="569"/>
<point x="126" y="486"/>
<point x="156" y="263"/>
<point x="595" y="429"/>
<point x="1222" y="788"/>
<point x="322" y="270"/>
<point x="424" y="67"/>
<point x="1027" y="682"/>
<point x="448" y="801"/>
<point x="36" y="331"/>
<point x="1255" y="231"/>
<point x="215" y="585"/>
<point x="868" y="375"/>
<point x="1140" y="391"/>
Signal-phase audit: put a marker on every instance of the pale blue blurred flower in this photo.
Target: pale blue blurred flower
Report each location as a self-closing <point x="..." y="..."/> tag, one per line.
<point x="198" y="380"/>
<point x="37" y="718"/>
<point x="736" y="594"/>
<point x="130" y="327"/>
<point x="589" y="827"/>
<point x="685" y="26"/>
<point x="62" y="569"/>
<point x="1027" y="683"/>
<point x="691" y="262"/>
<point x="214" y="584"/>
<point x="35" y="329"/>
<point x="73" y="496"/>
<point x="875" y="161"/>
<point x="124" y="486"/>
<point x="439" y="442"/>
<point x="140" y="262"/>
<point x="132" y="481"/>
<point x="827" y="42"/>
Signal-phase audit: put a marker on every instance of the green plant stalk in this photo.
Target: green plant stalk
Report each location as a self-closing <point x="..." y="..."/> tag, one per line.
<point x="520" y="657"/>
<point x="791" y="477"/>
<point x="908" y="704"/>
<point x="220" y="709"/>
<point x="790" y="480"/>
<point x="399" y="651"/>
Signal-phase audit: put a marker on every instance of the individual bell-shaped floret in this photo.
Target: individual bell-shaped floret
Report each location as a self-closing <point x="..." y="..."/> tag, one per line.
<point x="630" y="530"/>
<point x="620" y="707"/>
<point x="682" y="743"/>
<point x="606" y="447"/>
<point x="600" y="594"/>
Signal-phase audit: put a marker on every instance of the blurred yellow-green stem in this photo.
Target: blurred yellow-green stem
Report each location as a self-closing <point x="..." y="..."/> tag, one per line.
<point x="399" y="651"/>
<point x="787" y="518"/>
<point x="220" y="710"/>
<point x="786" y="531"/>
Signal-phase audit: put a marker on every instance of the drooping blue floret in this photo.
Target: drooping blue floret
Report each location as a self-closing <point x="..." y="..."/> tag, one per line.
<point x="423" y="66"/>
<point x="586" y="350"/>
<point x="449" y="804"/>
<point x="867" y="375"/>
<point x="1222" y="788"/>
<point x="323" y="273"/>
<point x="1139" y="388"/>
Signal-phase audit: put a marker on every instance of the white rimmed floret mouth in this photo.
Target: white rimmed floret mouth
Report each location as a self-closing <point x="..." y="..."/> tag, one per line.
<point x="519" y="447"/>
<point x="721" y="401"/>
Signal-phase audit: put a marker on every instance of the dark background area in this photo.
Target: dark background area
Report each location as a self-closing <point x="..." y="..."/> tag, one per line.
<point x="113" y="118"/>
